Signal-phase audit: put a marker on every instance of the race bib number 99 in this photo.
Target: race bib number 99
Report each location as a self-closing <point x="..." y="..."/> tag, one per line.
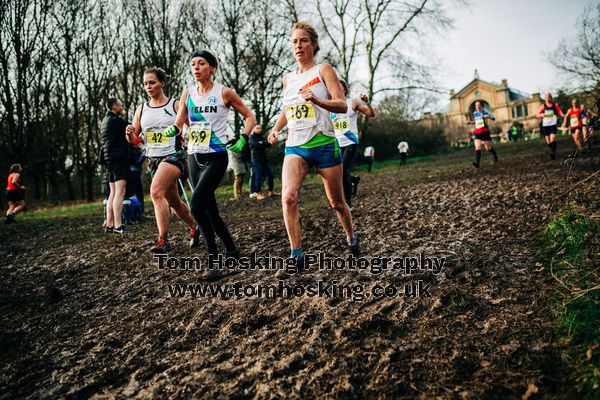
<point x="300" y="114"/>
<point x="200" y="134"/>
<point x="479" y="123"/>
<point x="341" y="125"/>
<point x="156" y="137"/>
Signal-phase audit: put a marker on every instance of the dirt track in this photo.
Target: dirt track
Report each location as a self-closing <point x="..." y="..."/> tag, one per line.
<point x="84" y="314"/>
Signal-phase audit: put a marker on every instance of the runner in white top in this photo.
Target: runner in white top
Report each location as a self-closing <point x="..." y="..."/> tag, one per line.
<point x="206" y="108"/>
<point x="403" y="149"/>
<point x="346" y="132"/>
<point x="311" y="93"/>
<point x="369" y="155"/>
<point x="549" y="113"/>
<point x="166" y="155"/>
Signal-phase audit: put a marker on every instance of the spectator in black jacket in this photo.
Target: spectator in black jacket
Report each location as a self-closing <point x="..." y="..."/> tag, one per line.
<point x="116" y="154"/>
<point x="260" y="164"/>
<point x="136" y="160"/>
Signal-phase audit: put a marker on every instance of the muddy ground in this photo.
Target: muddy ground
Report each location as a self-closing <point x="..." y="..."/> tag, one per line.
<point x="89" y="315"/>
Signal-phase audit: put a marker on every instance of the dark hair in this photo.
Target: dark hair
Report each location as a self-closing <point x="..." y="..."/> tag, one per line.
<point x="15" y="168"/>
<point x="160" y="73"/>
<point x="111" y="102"/>
<point x="208" y="56"/>
<point x="345" y="86"/>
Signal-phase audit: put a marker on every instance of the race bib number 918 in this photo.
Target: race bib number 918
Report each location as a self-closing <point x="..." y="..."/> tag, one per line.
<point x="341" y="125"/>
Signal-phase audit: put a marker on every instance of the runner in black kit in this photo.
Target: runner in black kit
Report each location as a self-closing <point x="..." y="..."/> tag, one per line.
<point x="205" y="106"/>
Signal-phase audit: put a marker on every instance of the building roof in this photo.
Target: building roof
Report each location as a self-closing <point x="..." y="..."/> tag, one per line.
<point x="513" y="94"/>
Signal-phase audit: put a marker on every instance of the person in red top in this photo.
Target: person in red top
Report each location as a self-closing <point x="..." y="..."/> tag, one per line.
<point x="549" y="113"/>
<point x="14" y="193"/>
<point x="574" y="119"/>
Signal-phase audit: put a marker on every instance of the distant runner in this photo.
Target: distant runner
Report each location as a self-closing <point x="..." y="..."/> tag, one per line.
<point x="481" y="133"/>
<point x="574" y="118"/>
<point x="346" y="132"/>
<point x="369" y="155"/>
<point x="549" y="113"/>
<point x="15" y="193"/>
<point x="403" y="149"/>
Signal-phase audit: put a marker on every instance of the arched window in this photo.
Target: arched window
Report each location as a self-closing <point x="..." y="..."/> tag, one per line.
<point x="485" y="105"/>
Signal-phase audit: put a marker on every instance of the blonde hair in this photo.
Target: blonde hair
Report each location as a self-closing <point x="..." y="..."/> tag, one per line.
<point x="312" y="33"/>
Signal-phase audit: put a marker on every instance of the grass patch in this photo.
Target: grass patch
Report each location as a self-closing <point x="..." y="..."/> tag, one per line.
<point x="572" y="246"/>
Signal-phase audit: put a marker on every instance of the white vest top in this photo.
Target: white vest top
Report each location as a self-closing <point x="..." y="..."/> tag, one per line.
<point x="208" y="117"/>
<point x="153" y="122"/>
<point x="346" y="126"/>
<point x="305" y="119"/>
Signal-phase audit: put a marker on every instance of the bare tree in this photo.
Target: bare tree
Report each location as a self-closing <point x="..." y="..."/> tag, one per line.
<point x="23" y="40"/>
<point x="341" y="20"/>
<point x="388" y="21"/>
<point x="580" y="58"/>
<point x="267" y="59"/>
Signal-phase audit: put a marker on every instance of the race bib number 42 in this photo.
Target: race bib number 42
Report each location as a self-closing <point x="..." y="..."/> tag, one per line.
<point x="200" y="134"/>
<point x="156" y="137"/>
<point x="300" y="114"/>
<point x="341" y="125"/>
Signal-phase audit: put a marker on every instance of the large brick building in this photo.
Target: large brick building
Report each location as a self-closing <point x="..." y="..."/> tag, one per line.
<point x="507" y="104"/>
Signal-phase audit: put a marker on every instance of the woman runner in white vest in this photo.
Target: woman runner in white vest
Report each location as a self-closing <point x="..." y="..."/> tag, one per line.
<point x="205" y="107"/>
<point x="346" y="132"/>
<point x="310" y="94"/>
<point x="166" y="156"/>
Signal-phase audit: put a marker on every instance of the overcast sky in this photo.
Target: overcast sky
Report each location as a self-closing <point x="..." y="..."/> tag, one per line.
<point x="508" y="39"/>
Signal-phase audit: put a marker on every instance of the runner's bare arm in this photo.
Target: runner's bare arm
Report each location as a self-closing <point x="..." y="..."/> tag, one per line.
<point x="132" y="132"/>
<point x="232" y="99"/>
<point x="361" y="106"/>
<point x="540" y="113"/>
<point x="280" y="124"/>
<point x="337" y="104"/>
<point x="182" y="114"/>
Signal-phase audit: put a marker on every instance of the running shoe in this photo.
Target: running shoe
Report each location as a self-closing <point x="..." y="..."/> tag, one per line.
<point x="355" y="181"/>
<point x="108" y="229"/>
<point x="121" y="230"/>
<point x="475" y="164"/>
<point x="161" y="246"/>
<point x="195" y="237"/>
<point x="355" y="248"/>
<point x="253" y="195"/>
